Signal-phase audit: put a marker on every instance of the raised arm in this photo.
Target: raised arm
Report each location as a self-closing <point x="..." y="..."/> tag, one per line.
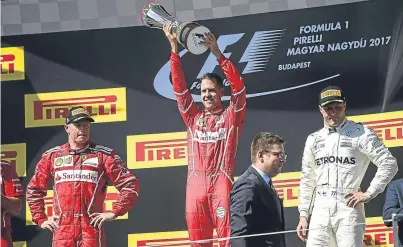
<point x="238" y="92"/>
<point x="187" y="107"/>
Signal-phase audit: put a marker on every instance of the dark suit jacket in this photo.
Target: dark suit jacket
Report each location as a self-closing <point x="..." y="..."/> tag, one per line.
<point x="394" y="204"/>
<point x="255" y="208"/>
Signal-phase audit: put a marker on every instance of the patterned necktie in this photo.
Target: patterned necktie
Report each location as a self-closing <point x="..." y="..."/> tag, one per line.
<point x="272" y="187"/>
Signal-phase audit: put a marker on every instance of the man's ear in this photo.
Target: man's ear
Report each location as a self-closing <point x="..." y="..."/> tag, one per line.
<point x="66" y="127"/>
<point x="260" y="156"/>
<point x="222" y="91"/>
<point x="321" y="109"/>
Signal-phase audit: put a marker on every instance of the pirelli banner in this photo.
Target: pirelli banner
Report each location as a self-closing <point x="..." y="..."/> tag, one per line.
<point x="122" y="77"/>
<point x="376" y="234"/>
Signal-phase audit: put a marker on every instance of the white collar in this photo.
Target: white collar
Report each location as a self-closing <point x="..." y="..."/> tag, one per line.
<point x="337" y="128"/>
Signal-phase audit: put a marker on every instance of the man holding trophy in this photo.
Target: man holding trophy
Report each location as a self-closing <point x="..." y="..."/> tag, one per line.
<point x="213" y="135"/>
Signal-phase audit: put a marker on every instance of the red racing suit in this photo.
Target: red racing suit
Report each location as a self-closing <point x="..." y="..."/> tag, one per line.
<point x="212" y="144"/>
<point x="10" y="187"/>
<point x="80" y="182"/>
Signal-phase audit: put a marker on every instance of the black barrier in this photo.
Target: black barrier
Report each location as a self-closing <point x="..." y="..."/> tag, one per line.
<point x="285" y="59"/>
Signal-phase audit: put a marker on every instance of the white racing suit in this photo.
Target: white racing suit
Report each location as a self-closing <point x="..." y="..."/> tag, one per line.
<point x="333" y="165"/>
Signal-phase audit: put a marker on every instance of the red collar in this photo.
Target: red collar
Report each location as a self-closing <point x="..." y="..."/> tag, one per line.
<point x="77" y="151"/>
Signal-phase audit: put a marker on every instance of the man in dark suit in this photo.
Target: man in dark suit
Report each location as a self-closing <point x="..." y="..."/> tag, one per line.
<point x="394" y="205"/>
<point x="255" y="205"/>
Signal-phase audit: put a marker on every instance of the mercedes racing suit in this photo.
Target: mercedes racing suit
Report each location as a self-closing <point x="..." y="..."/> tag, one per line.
<point x="334" y="164"/>
<point x="10" y="187"/>
<point x="212" y="143"/>
<point x="80" y="182"/>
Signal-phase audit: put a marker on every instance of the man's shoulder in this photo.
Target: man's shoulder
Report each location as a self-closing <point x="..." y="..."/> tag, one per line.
<point x="397" y="182"/>
<point x="358" y="126"/>
<point x="360" y="130"/>
<point x="102" y="149"/>
<point x="314" y="135"/>
<point x="54" y="150"/>
<point x="5" y="167"/>
<point x="5" y="163"/>
<point x="247" y="178"/>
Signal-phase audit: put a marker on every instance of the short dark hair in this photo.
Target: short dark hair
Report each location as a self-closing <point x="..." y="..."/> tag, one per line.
<point x="214" y="77"/>
<point x="264" y="141"/>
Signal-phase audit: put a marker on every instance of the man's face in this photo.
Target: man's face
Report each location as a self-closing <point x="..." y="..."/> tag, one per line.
<point x="211" y="94"/>
<point x="333" y="113"/>
<point x="274" y="159"/>
<point x="79" y="131"/>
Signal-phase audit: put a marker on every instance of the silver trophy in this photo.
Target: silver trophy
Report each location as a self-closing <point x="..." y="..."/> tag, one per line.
<point x="189" y="34"/>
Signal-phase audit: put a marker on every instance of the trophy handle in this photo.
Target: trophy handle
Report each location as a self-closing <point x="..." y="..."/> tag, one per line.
<point x="191" y="35"/>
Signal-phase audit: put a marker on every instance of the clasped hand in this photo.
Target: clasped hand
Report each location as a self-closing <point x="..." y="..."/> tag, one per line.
<point x="209" y="40"/>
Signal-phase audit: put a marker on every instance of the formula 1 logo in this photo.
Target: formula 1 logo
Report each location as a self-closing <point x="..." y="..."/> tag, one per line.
<point x="257" y="54"/>
<point x="259" y="51"/>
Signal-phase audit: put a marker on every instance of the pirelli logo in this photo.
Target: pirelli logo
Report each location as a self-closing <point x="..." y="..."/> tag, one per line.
<point x="330" y="93"/>
<point x="50" y="109"/>
<point x="177" y="238"/>
<point x="287" y="187"/>
<point x="12" y="64"/>
<point x="388" y="126"/>
<point x="157" y="150"/>
<point x="377" y="234"/>
<point x="20" y="244"/>
<point x="110" y="200"/>
<point x="16" y="155"/>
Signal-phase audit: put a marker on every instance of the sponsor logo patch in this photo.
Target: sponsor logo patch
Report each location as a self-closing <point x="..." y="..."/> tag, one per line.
<point x="346" y="144"/>
<point x="210" y="137"/>
<point x="63" y="161"/>
<point x="329" y="93"/>
<point x="76" y="176"/>
<point x="334" y="159"/>
<point x="91" y="162"/>
<point x="220" y="212"/>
